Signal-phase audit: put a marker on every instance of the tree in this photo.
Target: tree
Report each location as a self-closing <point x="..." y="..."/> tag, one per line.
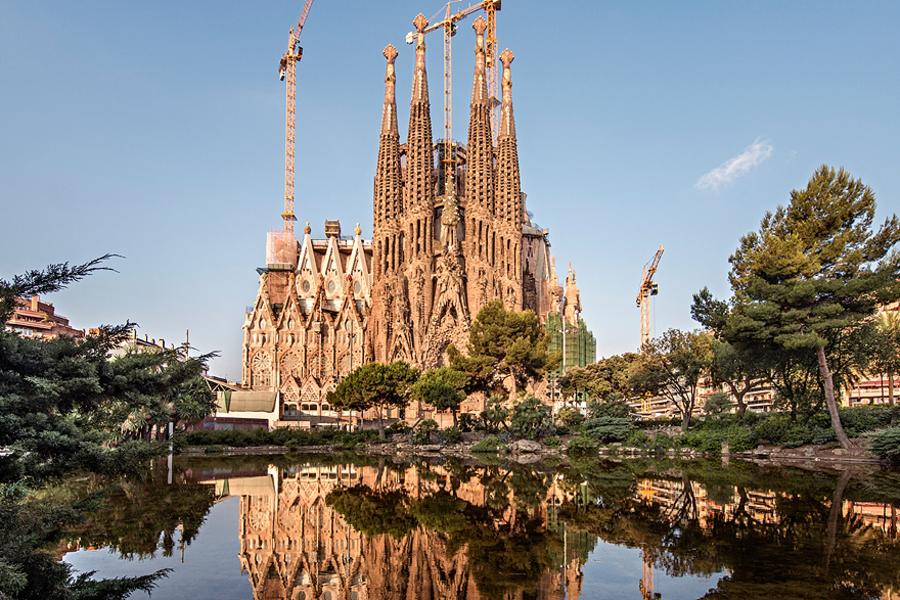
<point x="504" y="345"/>
<point x="674" y="365"/>
<point x="444" y="388"/>
<point x="739" y="371"/>
<point x="717" y="404"/>
<point x="814" y="272"/>
<point x="605" y="380"/>
<point x="530" y="419"/>
<point x="375" y="386"/>
<point x="886" y="349"/>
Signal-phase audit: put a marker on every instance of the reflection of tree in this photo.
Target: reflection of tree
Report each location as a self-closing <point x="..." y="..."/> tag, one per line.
<point x="140" y="517"/>
<point x="804" y="547"/>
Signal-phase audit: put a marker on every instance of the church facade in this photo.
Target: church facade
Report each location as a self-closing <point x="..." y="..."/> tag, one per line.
<point x="450" y="233"/>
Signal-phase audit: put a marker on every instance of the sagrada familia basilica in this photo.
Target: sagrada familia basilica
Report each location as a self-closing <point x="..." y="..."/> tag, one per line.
<point x="450" y="233"/>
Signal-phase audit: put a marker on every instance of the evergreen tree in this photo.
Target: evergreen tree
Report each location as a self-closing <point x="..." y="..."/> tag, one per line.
<point x="813" y="274"/>
<point x="443" y="388"/>
<point x="504" y="346"/>
<point x="375" y="386"/>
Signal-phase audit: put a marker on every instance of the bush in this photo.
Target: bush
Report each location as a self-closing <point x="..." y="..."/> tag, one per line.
<point x="569" y="418"/>
<point x="608" y="429"/>
<point x="531" y="419"/>
<point x="423" y="430"/>
<point x="468" y="422"/>
<point x="292" y="438"/>
<point x="617" y="409"/>
<point x="451" y="435"/>
<point x="638" y="439"/>
<point x="552" y="441"/>
<point x="489" y="444"/>
<point x="886" y="445"/>
<point x="582" y="444"/>
<point x="717" y="404"/>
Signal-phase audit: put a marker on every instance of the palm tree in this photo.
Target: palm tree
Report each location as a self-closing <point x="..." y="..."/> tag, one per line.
<point x="886" y="355"/>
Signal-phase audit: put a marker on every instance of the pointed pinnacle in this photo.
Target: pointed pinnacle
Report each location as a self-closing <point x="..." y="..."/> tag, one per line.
<point x="420" y="22"/>
<point x="479" y="25"/>
<point x="506" y="57"/>
<point x="390" y="53"/>
<point x="307" y="230"/>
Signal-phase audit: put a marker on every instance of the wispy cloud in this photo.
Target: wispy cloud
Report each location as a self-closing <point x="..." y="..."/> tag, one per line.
<point x="723" y="175"/>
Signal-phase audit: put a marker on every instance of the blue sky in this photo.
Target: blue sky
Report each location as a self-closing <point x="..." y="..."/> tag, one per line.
<point x="155" y="130"/>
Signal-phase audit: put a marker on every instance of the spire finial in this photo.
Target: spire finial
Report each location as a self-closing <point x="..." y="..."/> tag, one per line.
<point x="420" y="23"/>
<point x="307" y="230"/>
<point x="506" y="57"/>
<point x="358" y="230"/>
<point x="480" y="25"/>
<point x="390" y="53"/>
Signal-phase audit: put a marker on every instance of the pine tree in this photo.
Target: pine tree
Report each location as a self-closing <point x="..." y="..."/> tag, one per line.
<point x="815" y="271"/>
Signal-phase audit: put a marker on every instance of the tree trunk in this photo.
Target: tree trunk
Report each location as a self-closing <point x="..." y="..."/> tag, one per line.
<point x="891" y="387"/>
<point x="455" y="424"/>
<point x="741" y="406"/>
<point x="381" y="423"/>
<point x="830" y="401"/>
<point x="834" y="515"/>
<point x="685" y="419"/>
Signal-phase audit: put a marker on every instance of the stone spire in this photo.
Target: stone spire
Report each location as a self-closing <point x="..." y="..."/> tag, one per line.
<point x="509" y="185"/>
<point x="419" y="146"/>
<point x="388" y="197"/>
<point x="480" y="152"/>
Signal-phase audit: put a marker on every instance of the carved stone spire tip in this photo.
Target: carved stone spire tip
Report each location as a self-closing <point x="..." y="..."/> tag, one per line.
<point x="307" y="230"/>
<point x="479" y="25"/>
<point x="506" y="57"/>
<point x="420" y="22"/>
<point x="390" y="53"/>
<point x="358" y="230"/>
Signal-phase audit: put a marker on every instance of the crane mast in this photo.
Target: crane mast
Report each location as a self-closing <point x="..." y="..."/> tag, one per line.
<point x="448" y="26"/>
<point x="648" y="288"/>
<point x="287" y="72"/>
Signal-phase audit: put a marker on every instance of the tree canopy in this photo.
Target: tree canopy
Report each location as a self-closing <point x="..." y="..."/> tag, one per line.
<point x="504" y="345"/>
<point x="815" y="271"/>
<point x="375" y="386"/>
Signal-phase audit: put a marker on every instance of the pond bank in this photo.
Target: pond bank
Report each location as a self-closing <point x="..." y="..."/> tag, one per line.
<point x="528" y="452"/>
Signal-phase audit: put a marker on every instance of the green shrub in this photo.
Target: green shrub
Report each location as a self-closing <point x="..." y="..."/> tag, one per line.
<point x="638" y="439"/>
<point x="886" y="445"/>
<point x="569" y="418"/>
<point x="608" y="429"/>
<point x="423" y="430"/>
<point x="468" y="422"/>
<point x="552" y="441"/>
<point x="489" y="444"/>
<point x="451" y="435"/>
<point x="617" y="409"/>
<point x="582" y="444"/>
<point x="531" y="419"/>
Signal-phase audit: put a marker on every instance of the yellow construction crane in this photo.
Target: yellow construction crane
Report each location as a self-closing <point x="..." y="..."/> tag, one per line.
<point x="648" y="288"/>
<point x="448" y="26"/>
<point x="287" y="72"/>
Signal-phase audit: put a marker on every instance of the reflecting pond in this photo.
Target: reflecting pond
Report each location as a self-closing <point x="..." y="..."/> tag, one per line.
<point x="353" y="528"/>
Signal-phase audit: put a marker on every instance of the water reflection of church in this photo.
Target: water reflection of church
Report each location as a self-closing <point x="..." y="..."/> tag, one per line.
<point x="294" y="546"/>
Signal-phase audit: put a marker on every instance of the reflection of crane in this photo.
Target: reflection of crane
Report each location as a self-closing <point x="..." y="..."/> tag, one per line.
<point x="648" y="288"/>
<point x="287" y="72"/>
<point x="448" y="25"/>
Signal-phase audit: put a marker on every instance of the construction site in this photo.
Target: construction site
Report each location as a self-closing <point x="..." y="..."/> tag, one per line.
<point x="450" y="232"/>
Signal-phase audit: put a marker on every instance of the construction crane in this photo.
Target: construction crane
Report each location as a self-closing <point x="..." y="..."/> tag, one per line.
<point x="448" y="26"/>
<point x="648" y="288"/>
<point x="287" y="72"/>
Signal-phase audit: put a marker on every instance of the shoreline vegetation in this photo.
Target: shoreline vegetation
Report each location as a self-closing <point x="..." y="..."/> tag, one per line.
<point x="757" y="437"/>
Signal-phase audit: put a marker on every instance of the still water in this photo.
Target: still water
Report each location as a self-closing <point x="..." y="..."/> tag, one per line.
<point x="351" y="528"/>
